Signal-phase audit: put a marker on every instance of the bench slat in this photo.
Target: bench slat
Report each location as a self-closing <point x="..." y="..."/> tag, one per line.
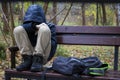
<point x="88" y="29"/>
<point x="88" y="40"/>
<point x="110" y="75"/>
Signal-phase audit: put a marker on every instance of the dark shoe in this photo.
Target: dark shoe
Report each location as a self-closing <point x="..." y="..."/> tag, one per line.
<point x="26" y="64"/>
<point x="37" y="64"/>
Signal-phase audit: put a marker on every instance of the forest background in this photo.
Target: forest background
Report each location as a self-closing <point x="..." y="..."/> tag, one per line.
<point x="67" y="14"/>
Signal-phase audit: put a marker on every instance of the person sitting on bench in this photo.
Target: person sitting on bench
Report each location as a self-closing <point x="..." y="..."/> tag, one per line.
<point x="36" y="40"/>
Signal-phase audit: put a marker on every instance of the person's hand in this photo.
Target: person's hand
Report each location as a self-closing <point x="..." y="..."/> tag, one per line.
<point x="40" y="25"/>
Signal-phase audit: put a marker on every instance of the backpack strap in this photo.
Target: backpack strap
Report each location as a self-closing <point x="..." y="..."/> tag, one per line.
<point x="46" y="69"/>
<point x="98" y="71"/>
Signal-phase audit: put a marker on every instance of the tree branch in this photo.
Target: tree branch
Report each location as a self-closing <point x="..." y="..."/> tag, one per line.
<point x="57" y="14"/>
<point x="67" y="13"/>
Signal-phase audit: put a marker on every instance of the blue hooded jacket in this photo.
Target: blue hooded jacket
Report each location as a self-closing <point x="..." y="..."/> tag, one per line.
<point x="33" y="16"/>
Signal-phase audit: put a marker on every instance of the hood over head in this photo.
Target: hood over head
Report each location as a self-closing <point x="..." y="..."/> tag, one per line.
<point x="34" y="13"/>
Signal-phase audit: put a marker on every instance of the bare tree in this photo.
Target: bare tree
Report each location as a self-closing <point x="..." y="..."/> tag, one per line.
<point x="5" y="11"/>
<point x="54" y="12"/>
<point x="117" y="14"/>
<point x="12" y="23"/>
<point x="83" y="14"/>
<point x="22" y="12"/>
<point x="97" y="14"/>
<point x="45" y="7"/>
<point x="104" y="19"/>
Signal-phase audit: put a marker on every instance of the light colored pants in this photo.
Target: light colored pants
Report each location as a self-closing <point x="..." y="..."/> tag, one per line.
<point x="43" y="45"/>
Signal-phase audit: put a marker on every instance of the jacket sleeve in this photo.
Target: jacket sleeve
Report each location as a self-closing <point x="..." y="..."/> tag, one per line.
<point x="53" y="40"/>
<point x="53" y="31"/>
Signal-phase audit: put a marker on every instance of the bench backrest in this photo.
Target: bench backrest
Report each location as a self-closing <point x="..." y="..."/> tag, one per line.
<point x="86" y="35"/>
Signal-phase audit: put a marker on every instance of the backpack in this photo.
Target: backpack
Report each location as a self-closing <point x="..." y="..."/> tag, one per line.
<point x="72" y="66"/>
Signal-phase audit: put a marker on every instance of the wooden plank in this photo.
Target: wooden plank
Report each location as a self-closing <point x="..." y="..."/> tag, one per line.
<point x="88" y="29"/>
<point x="110" y="75"/>
<point x="82" y="40"/>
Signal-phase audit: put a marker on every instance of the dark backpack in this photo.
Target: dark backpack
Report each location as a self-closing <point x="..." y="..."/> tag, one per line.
<point x="72" y="65"/>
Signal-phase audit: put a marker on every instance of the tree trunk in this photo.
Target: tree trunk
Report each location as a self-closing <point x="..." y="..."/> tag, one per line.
<point x="12" y="26"/>
<point x="104" y="14"/>
<point x="54" y="12"/>
<point x="45" y="7"/>
<point x="97" y="12"/>
<point x="100" y="14"/>
<point x="118" y="15"/>
<point x="5" y="12"/>
<point x="21" y="14"/>
<point x="83" y="14"/>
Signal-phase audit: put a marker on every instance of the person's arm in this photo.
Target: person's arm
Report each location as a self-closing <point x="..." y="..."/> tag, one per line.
<point x="53" y="40"/>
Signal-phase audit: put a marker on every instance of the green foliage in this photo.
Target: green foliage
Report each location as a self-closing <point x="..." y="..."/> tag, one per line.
<point x="61" y="51"/>
<point x="2" y="51"/>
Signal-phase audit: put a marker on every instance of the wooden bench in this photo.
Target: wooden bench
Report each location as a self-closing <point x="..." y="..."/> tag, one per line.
<point x="76" y="35"/>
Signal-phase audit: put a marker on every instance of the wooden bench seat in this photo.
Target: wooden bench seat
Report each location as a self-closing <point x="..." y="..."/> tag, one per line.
<point x="110" y="75"/>
<point x="77" y="35"/>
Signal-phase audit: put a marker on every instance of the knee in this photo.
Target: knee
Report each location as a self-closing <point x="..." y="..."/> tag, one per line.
<point x="18" y="30"/>
<point x="44" y="29"/>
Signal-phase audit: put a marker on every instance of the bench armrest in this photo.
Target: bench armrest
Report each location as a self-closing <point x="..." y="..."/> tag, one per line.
<point x="13" y="51"/>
